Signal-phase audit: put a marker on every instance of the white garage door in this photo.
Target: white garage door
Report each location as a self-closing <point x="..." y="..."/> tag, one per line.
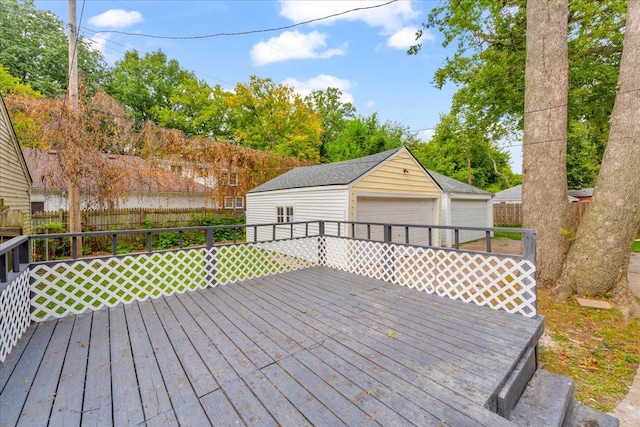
<point x="399" y="210"/>
<point x="469" y="213"/>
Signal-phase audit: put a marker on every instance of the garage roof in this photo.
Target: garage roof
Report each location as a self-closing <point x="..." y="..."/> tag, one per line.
<point x="451" y="185"/>
<point x="340" y="173"/>
<point x="343" y="173"/>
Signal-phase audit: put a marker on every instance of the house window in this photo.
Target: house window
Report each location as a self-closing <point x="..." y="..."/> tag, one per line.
<point x="284" y="214"/>
<point x="239" y="202"/>
<point x="37" y="207"/>
<point x="228" y="202"/>
<point x="230" y="178"/>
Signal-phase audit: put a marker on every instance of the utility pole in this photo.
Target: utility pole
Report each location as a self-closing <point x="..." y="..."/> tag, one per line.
<point x="73" y="58"/>
<point x="75" y="224"/>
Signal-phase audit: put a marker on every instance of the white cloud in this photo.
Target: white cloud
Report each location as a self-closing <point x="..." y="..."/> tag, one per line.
<point x="116" y="18"/>
<point x="426" y="134"/>
<point x="98" y="41"/>
<point x="370" y="104"/>
<point x="390" y="17"/>
<point x="406" y="37"/>
<point x="293" y="45"/>
<point x="322" y="82"/>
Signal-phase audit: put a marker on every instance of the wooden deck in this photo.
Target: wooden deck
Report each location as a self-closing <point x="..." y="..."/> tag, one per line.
<point x="311" y="347"/>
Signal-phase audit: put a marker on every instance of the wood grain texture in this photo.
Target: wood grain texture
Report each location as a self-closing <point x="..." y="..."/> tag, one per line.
<point x="311" y="347"/>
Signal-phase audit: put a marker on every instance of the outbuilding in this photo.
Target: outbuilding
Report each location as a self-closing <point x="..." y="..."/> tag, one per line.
<point x="388" y="187"/>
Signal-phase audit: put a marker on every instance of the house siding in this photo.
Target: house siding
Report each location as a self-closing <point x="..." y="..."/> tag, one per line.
<point x="15" y="183"/>
<point x="390" y="179"/>
<point x="55" y="200"/>
<point x="309" y="204"/>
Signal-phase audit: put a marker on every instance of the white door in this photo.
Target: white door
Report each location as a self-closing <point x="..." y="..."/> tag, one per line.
<point x="396" y="210"/>
<point x="469" y="213"/>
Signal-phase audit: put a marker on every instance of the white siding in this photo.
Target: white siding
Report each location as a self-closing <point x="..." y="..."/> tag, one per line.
<point x="467" y="212"/>
<point x="54" y="200"/>
<point x="309" y="204"/>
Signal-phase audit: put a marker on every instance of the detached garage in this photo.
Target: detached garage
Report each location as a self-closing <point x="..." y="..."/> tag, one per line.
<point x="463" y="205"/>
<point x="388" y="187"/>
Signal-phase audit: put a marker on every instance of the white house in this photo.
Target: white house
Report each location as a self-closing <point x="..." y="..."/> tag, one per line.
<point x="389" y="187"/>
<point x="143" y="185"/>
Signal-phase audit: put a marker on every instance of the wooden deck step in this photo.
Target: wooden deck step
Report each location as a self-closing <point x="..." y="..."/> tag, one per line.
<point x="515" y="385"/>
<point x="546" y="401"/>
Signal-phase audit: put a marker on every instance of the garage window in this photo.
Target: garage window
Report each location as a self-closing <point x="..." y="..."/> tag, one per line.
<point x="284" y="214"/>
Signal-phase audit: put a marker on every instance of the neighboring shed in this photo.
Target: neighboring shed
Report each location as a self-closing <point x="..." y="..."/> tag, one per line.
<point x="463" y="205"/>
<point x="388" y="187"/>
<point x="15" y="181"/>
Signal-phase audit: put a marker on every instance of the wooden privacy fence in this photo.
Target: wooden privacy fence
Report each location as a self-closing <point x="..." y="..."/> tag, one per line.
<point x="127" y="219"/>
<point x="511" y="213"/>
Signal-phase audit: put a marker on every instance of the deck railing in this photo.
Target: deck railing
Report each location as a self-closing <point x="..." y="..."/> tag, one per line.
<point x="39" y="289"/>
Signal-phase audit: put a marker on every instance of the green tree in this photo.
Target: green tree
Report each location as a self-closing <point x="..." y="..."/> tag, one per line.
<point x="466" y="156"/>
<point x="489" y="62"/>
<point x="34" y="48"/>
<point x="363" y="136"/>
<point x="196" y="109"/>
<point x="10" y="85"/>
<point x="271" y="117"/>
<point x="333" y="114"/>
<point x="145" y="84"/>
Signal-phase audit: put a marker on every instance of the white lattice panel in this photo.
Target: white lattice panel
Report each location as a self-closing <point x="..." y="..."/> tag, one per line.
<point x="73" y="287"/>
<point x="498" y="282"/>
<point x="15" y="305"/>
<point x="241" y="262"/>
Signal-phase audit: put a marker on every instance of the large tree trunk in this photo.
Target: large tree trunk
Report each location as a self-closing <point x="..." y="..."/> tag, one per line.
<point x="544" y="176"/>
<point x="599" y="258"/>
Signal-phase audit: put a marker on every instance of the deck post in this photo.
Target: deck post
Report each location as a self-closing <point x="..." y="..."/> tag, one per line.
<point x="529" y="237"/>
<point x="322" y="246"/>
<point x="4" y="267"/>
<point x="209" y="237"/>
<point x="387" y="233"/>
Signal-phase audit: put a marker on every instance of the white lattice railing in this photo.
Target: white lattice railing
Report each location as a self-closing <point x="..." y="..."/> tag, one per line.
<point x="69" y="287"/>
<point x="72" y="287"/>
<point x="15" y="306"/>
<point x="498" y="282"/>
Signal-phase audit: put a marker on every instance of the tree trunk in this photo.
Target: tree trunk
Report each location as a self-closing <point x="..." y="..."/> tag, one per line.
<point x="544" y="176"/>
<point x="599" y="258"/>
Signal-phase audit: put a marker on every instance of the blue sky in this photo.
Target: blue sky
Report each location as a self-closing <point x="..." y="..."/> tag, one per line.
<point x="362" y="53"/>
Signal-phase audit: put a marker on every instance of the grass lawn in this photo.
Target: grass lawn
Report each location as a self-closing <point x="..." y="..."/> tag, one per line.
<point x="594" y="347"/>
<point x="636" y="246"/>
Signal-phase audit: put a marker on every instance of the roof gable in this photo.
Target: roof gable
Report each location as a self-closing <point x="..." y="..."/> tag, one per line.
<point x="349" y="171"/>
<point x="339" y="173"/>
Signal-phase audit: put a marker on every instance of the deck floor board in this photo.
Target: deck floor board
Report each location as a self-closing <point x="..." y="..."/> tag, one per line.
<point x="309" y="347"/>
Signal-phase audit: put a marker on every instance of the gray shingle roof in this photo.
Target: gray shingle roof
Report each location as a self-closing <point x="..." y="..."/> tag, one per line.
<point x="340" y="173"/>
<point x="513" y="193"/>
<point x="343" y="173"/>
<point x="450" y="185"/>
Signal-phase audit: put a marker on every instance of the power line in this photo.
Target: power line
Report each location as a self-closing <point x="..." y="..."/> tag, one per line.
<point x="242" y="33"/>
